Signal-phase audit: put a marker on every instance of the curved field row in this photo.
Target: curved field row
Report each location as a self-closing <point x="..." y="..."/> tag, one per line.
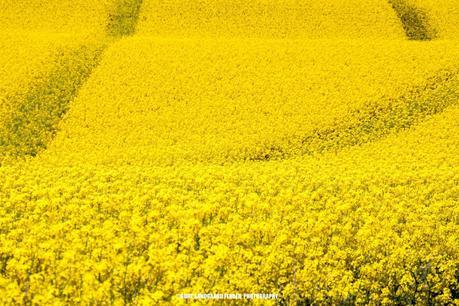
<point x="154" y="186"/>
<point x="28" y="62"/>
<point x="168" y="101"/>
<point x="124" y="17"/>
<point x="388" y="114"/>
<point x="270" y="19"/>
<point x="56" y="16"/>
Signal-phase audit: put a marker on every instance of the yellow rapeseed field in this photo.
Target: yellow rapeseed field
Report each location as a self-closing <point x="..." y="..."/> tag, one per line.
<point x="157" y="150"/>
<point x="444" y="16"/>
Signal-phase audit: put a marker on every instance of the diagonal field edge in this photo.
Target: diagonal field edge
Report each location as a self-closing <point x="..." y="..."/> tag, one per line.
<point x="35" y="122"/>
<point x="398" y="114"/>
<point x="123" y="21"/>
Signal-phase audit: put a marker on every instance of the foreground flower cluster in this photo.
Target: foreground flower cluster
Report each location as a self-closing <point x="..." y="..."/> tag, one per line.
<point x="204" y="154"/>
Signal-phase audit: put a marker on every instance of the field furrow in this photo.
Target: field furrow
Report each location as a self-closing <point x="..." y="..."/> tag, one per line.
<point x="38" y="109"/>
<point x="369" y="215"/>
<point x="31" y="112"/>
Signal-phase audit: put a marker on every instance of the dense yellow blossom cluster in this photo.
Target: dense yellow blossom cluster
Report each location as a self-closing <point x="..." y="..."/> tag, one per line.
<point x="304" y="149"/>
<point x="373" y="223"/>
